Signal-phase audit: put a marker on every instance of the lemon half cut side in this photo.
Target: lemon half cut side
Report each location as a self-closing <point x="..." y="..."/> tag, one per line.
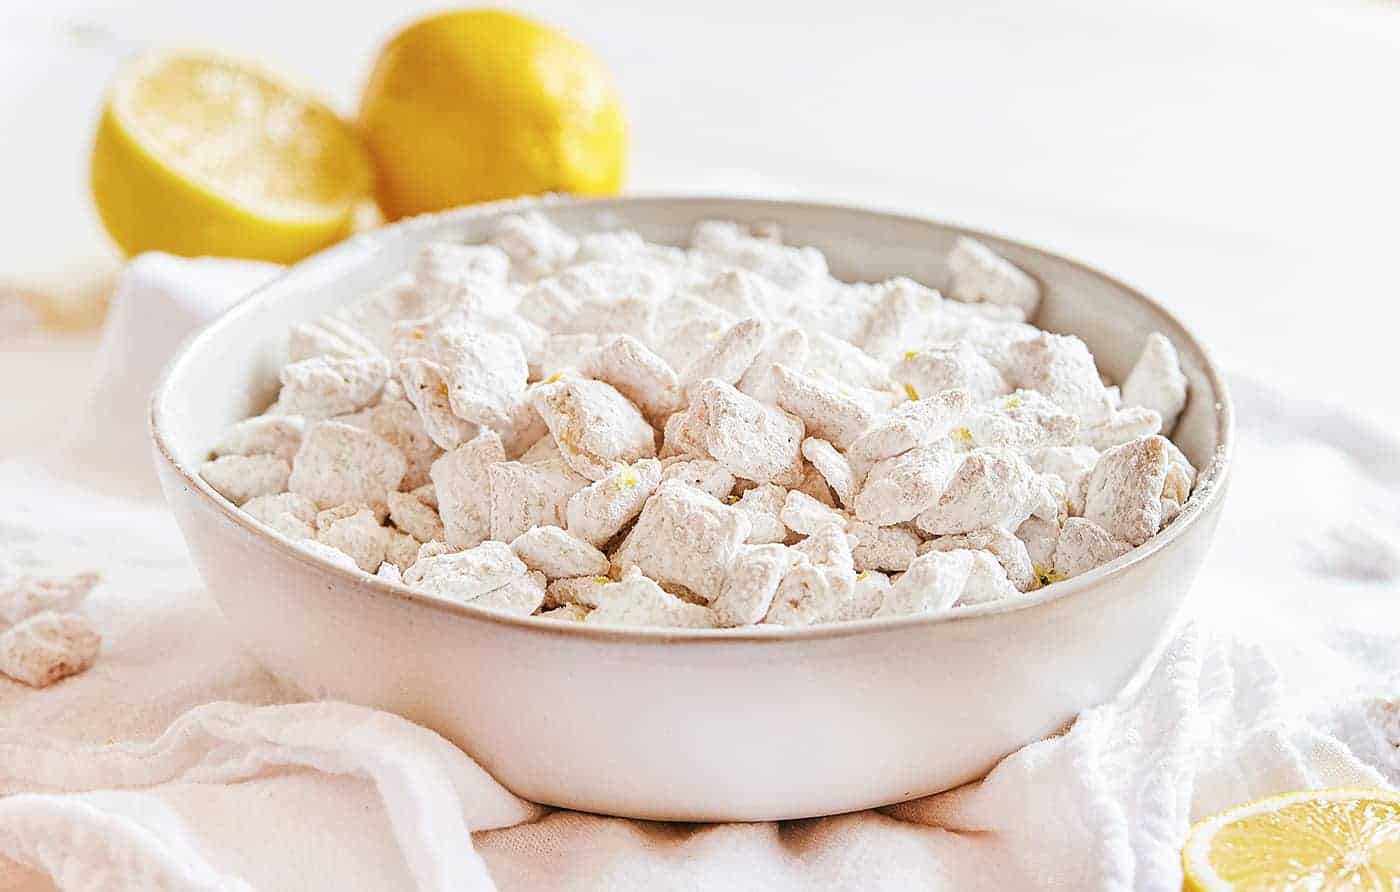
<point x="201" y="154"/>
<point x="1313" y="841"/>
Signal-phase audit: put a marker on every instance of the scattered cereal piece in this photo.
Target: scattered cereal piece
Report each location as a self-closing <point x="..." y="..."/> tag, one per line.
<point x="933" y="582"/>
<point x="571" y="613"/>
<point x="330" y="337"/>
<point x="581" y="591"/>
<point x="400" y="425"/>
<point x="728" y="356"/>
<point x="48" y="647"/>
<point x="25" y="596"/>
<point x="400" y="549"/>
<point x="425" y="387"/>
<point x="1040" y="536"/>
<point x="327" y="553"/>
<point x="535" y="246"/>
<point x="820" y="587"/>
<point x="389" y="572"/>
<point x="1009" y="551"/>
<point x="1122" y="425"/>
<point x="704" y="474"/>
<point x="786" y="344"/>
<point x="910" y="425"/>
<point x="1022" y="421"/>
<point x="1061" y="367"/>
<point x="355" y="531"/>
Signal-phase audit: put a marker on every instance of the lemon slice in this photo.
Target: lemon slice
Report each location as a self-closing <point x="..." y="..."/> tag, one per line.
<point x="1316" y="840"/>
<point x="200" y="154"/>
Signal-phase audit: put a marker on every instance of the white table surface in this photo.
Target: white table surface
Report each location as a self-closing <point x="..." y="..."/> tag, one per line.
<point x="1236" y="160"/>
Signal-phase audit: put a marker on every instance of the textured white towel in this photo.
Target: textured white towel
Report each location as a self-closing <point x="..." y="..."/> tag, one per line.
<point x="141" y="774"/>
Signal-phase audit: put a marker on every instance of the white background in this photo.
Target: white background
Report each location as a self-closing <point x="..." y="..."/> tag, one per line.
<point x="1239" y="161"/>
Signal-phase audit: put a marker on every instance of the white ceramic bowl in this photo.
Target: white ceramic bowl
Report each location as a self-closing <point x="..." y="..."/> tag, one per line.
<point x="703" y="724"/>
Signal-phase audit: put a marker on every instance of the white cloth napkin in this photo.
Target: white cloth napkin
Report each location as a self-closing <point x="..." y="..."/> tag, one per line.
<point x="177" y="763"/>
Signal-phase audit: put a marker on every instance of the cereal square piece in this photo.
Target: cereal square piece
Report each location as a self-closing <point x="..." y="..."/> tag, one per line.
<point x="522" y="596"/>
<point x="992" y="488"/>
<point x="704" y="474"/>
<point x="1124" y="492"/>
<point x="637" y="373"/>
<point x="1156" y="381"/>
<point x="425" y="387"/>
<point x="910" y="425"/>
<point x="1008" y="550"/>
<point x="753" y="440"/>
<point x="467" y="575"/>
<point x="1062" y="368"/>
<point x="600" y="510"/>
<point x="558" y="554"/>
<point x="753" y="580"/>
<point x="525" y="496"/>
<point x="240" y="478"/>
<point x="1084" y="545"/>
<point x="820" y="585"/>
<point x="957" y="366"/>
<point x="979" y="274"/>
<point x="415" y="518"/>
<point x="890" y="548"/>
<point x="321" y="387"/>
<point x="832" y="466"/>
<point x="900" y="488"/>
<point x="685" y="537"/>
<point x="340" y="464"/>
<point x="277" y="435"/>
<point x="825" y="411"/>
<point x="639" y="601"/>
<point x="595" y="426"/>
<point x="48" y="647"/>
<point x="933" y="582"/>
<point x="461" y="480"/>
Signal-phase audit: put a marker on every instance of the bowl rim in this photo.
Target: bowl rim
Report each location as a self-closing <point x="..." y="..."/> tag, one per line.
<point x="1215" y="474"/>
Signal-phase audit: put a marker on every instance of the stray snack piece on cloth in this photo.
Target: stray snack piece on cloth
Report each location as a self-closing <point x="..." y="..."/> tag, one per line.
<point x="597" y="429"/>
<point x="24" y="596"/>
<point x="48" y="647"/>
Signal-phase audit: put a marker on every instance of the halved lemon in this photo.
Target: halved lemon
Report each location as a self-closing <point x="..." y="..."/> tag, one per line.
<point x="1315" y="841"/>
<point x="202" y="154"/>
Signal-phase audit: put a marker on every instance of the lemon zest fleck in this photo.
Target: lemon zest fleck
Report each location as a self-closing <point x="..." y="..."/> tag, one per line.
<point x="910" y="392"/>
<point x="910" y="354"/>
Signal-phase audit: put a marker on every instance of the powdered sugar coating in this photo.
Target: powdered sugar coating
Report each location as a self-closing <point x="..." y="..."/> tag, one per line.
<point x="719" y="435"/>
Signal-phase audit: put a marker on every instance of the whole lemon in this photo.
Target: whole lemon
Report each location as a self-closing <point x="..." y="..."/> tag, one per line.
<point x="477" y="105"/>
